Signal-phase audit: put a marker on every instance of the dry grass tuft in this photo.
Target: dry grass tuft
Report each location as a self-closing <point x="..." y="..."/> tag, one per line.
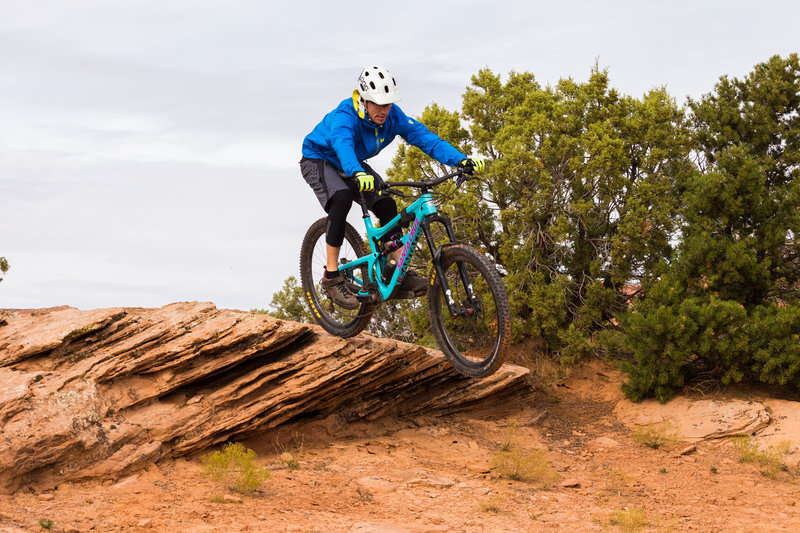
<point x="630" y="519"/>
<point x="235" y="468"/>
<point x="529" y="465"/>
<point x="772" y="461"/>
<point x="656" y="435"/>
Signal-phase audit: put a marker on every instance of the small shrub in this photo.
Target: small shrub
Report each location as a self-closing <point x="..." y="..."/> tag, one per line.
<point x="618" y="481"/>
<point x="656" y="435"/>
<point x="545" y="369"/>
<point x="629" y="520"/>
<point x="528" y="465"/>
<point x="289" y="462"/>
<point x="772" y="460"/>
<point x="509" y="442"/>
<point x="493" y="504"/>
<point x="289" y="452"/>
<point x="44" y="523"/>
<point x="235" y="468"/>
<point x="522" y="464"/>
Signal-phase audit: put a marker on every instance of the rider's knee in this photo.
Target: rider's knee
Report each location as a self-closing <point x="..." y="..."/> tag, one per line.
<point x="385" y="209"/>
<point x="340" y="201"/>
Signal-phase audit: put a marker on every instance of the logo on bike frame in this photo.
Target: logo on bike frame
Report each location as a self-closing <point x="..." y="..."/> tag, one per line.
<point x="412" y="239"/>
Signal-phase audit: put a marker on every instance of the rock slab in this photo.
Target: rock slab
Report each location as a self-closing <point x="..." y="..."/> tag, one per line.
<point x="105" y="392"/>
<point x="696" y="420"/>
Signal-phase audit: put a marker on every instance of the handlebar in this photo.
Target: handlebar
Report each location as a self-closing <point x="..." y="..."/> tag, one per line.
<point x="427" y="183"/>
<point x="463" y="174"/>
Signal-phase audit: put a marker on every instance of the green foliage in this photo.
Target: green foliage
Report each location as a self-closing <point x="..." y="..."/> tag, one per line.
<point x="728" y="307"/>
<point x="575" y="202"/>
<point x="675" y="336"/>
<point x="403" y="320"/>
<point x="289" y="304"/>
<point x="235" y="468"/>
<point x="3" y="266"/>
<point x="593" y="201"/>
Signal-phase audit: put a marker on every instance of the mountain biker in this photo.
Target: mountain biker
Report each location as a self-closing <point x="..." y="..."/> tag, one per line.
<point x="359" y="128"/>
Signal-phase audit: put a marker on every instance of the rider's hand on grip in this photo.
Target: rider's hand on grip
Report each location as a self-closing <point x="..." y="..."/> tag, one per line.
<point x="471" y="164"/>
<point x="365" y="181"/>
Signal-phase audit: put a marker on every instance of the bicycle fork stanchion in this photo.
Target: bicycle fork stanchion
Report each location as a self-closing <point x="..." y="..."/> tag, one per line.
<point x="436" y="256"/>
<point x="448" y="226"/>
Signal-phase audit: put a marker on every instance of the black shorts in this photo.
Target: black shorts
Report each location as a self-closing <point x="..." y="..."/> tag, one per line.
<point x="325" y="180"/>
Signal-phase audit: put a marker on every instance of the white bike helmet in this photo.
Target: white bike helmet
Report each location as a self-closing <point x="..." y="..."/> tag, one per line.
<point x="377" y="85"/>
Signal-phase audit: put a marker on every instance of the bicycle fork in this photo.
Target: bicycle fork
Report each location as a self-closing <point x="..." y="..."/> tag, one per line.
<point x="438" y="270"/>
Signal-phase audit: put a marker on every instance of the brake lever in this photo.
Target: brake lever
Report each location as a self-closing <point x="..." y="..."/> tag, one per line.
<point x="390" y="190"/>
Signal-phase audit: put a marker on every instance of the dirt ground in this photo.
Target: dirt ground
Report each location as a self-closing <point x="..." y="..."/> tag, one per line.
<point x="440" y="474"/>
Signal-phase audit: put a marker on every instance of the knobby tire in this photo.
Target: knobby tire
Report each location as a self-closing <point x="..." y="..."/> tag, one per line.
<point x="333" y="319"/>
<point x="474" y="344"/>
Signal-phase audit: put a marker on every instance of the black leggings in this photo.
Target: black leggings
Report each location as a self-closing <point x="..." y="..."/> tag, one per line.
<point x="339" y="206"/>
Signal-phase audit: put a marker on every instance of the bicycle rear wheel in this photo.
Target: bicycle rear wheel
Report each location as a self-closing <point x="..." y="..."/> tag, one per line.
<point x="313" y="258"/>
<point x="475" y="339"/>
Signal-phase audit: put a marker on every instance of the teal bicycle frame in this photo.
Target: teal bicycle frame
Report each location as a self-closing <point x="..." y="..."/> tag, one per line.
<point x="419" y="216"/>
<point x="418" y="211"/>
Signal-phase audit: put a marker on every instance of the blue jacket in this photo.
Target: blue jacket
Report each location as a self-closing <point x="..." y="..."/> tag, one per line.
<point x="346" y="137"/>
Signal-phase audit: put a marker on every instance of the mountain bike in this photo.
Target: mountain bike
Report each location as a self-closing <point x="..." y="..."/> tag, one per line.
<point x="467" y="302"/>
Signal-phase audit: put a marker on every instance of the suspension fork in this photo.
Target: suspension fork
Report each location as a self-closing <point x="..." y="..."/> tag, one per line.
<point x="436" y="257"/>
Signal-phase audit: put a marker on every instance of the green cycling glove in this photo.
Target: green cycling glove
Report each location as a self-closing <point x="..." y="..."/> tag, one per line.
<point x="366" y="182"/>
<point x="473" y="163"/>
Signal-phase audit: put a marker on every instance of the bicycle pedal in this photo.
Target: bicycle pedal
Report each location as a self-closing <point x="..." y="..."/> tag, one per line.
<point x="366" y="298"/>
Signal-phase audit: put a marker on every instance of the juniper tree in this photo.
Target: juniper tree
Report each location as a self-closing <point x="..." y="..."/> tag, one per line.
<point x="728" y="306"/>
<point x="575" y="203"/>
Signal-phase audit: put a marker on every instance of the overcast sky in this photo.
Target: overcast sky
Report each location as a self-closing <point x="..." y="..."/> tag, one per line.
<point x="149" y="148"/>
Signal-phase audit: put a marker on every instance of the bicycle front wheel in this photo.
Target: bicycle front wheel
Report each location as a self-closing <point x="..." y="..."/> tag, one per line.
<point x="313" y="258"/>
<point x="475" y="338"/>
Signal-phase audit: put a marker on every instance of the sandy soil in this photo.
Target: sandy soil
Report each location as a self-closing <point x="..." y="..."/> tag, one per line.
<point x="437" y="475"/>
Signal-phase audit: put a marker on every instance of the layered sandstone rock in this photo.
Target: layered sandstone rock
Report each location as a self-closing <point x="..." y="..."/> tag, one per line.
<point x="99" y="393"/>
